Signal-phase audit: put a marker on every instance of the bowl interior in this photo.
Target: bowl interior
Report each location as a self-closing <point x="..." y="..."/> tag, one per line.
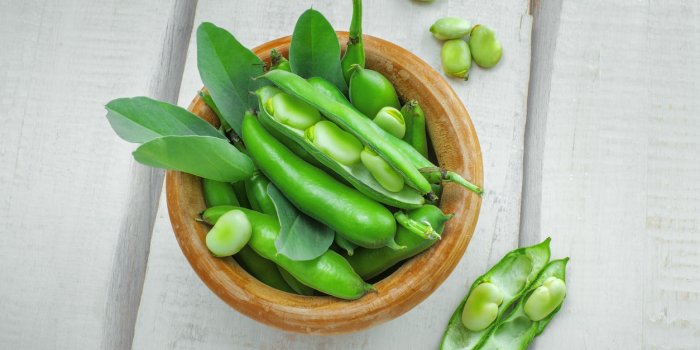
<point x="456" y="146"/>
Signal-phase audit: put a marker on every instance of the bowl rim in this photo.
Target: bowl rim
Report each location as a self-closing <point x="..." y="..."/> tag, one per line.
<point x="396" y="294"/>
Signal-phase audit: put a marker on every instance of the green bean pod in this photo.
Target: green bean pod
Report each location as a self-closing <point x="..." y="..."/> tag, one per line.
<point x="278" y="61"/>
<point x="218" y="193"/>
<point x="330" y="273"/>
<point x="345" y="210"/>
<point x="350" y="120"/>
<point x="262" y="269"/>
<point x="357" y="175"/>
<point x="298" y="287"/>
<point x="256" y="189"/>
<point x="430" y="171"/>
<point x="239" y="188"/>
<point x="415" y="127"/>
<point x="517" y="331"/>
<point x="329" y="89"/>
<point x="264" y="94"/>
<point x="355" y="52"/>
<point x="371" y="91"/>
<point x="369" y="263"/>
<point x="506" y="282"/>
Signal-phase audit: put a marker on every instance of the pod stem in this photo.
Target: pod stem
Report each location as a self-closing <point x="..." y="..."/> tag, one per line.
<point x="435" y="175"/>
<point x="275" y="57"/>
<point x="422" y="229"/>
<point x="355" y="32"/>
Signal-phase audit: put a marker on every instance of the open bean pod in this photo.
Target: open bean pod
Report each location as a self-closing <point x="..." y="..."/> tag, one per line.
<point x="539" y="304"/>
<point x="356" y="174"/>
<point x="409" y="162"/>
<point x="492" y="294"/>
<point x="353" y="122"/>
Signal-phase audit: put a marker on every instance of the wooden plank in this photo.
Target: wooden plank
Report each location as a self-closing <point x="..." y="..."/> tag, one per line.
<point x="76" y="217"/>
<point x="178" y="311"/>
<point x="620" y="192"/>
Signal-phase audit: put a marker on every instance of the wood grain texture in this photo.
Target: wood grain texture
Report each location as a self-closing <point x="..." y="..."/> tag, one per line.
<point x="620" y="170"/>
<point x="178" y="311"/>
<point x="75" y="213"/>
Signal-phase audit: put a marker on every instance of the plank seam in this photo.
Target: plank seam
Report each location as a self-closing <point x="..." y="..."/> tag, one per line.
<point x="546" y="17"/>
<point x="145" y="186"/>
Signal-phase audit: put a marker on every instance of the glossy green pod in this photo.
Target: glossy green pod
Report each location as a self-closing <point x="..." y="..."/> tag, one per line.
<point x="511" y="277"/>
<point x="298" y="287"/>
<point x="262" y="269"/>
<point x="485" y="48"/>
<point x="345" y="210"/>
<point x="330" y="273"/>
<point x="256" y="190"/>
<point x="354" y="122"/>
<point x="357" y="175"/>
<point x="456" y="58"/>
<point x="327" y="88"/>
<point x="239" y="188"/>
<point x="370" y="91"/>
<point x="416" y="134"/>
<point x="448" y="28"/>
<point x="218" y="193"/>
<point x="258" y="267"/>
<point x="369" y="263"/>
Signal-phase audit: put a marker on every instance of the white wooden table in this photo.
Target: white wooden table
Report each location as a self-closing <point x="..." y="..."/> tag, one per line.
<point x="589" y="127"/>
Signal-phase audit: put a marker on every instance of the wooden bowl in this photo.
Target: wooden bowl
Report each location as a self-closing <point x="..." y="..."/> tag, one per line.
<point x="456" y="147"/>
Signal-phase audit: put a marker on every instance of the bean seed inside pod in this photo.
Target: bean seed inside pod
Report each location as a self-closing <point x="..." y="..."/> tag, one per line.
<point x="481" y="308"/>
<point x="382" y="171"/>
<point x="340" y="145"/>
<point x="391" y="120"/>
<point x="545" y="299"/>
<point x="292" y="111"/>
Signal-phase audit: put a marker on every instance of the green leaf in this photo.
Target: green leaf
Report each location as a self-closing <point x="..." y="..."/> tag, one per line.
<point x="227" y="69"/>
<point x="141" y="119"/>
<point x="301" y="237"/>
<point x="315" y="50"/>
<point x="205" y="156"/>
